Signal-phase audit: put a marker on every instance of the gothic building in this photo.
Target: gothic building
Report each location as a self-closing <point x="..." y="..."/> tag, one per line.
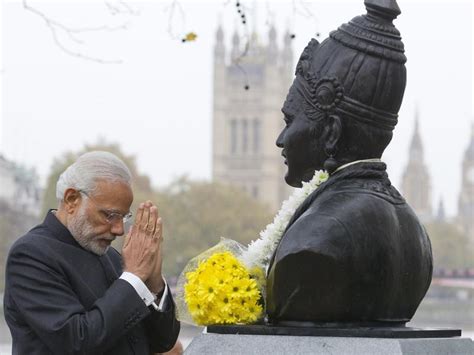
<point x="466" y="196"/>
<point x="416" y="187"/>
<point x="250" y="84"/>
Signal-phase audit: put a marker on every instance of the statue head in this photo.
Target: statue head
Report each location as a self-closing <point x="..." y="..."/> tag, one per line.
<point x="344" y="101"/>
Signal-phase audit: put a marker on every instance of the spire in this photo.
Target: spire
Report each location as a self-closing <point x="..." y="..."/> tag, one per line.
<point x="441" y="214"/>
<point x="416" y="184"/>
<point x="272" y="34"/>
<point x="235" y="45"/>
<point x="466" y="195"/>
<point x="287" y="38"/>
<point x="470" y="147"/>
<point x="219" y="48"/>
<point x="287" y="52"/>
<point x="219" y="34"/>
<point x="272" y="49"/>
<point x="416" y="146"/>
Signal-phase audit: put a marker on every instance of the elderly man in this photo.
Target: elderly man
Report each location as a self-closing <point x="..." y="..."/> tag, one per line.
<point x="68" y="292"/>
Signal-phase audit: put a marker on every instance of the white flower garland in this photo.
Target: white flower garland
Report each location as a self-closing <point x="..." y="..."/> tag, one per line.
<point x="260" y="251"/>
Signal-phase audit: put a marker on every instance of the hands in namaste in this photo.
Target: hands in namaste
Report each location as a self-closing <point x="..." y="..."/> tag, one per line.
<point x="141" y="250"/>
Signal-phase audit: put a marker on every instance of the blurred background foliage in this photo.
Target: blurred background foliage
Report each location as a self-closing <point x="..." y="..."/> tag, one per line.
<point x="450" y="247"/>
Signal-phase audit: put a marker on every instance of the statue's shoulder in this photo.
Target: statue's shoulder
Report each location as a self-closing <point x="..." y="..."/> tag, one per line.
<point x="316" y="231"/>
<point x="344" y="215"/>
<point x="349" y="199"/>
<point x="380" y="187"/>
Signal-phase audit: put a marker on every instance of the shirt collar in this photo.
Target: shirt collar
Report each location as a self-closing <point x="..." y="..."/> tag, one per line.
<point x="58" y="229"/>
<point x="372" y="160"/>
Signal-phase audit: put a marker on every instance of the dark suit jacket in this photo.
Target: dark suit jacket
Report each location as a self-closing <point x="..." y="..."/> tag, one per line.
<point x="61" y="299"/>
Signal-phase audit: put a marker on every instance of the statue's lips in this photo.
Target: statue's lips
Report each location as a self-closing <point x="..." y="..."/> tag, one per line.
<point x="284" y="156"/>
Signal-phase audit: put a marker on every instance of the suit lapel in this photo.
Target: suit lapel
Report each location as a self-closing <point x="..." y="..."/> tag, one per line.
<point x="110" y="271"/>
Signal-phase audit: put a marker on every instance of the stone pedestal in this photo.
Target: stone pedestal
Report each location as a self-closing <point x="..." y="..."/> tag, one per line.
<point x="209" y="343"/>
<point x="230" y="340"/>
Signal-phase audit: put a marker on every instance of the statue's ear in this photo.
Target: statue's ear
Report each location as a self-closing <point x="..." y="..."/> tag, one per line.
<point x="332" y="133"/>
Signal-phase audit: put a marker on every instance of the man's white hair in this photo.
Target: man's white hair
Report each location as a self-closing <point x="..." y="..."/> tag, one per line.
<point x="88" y="169"/>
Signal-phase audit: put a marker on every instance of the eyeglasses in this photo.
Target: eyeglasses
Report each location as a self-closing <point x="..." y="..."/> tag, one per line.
<point x="110" y="216"/>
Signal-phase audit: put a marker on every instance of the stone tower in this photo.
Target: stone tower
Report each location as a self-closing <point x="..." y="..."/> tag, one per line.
<point x="248" y="120"/>
<point x="416" y="186"/>
<point x="466" y="196"/>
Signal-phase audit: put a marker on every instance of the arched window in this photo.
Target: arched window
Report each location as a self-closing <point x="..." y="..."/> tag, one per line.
<point x="233" y="136"/>
<point x="245" y="137"/>
<point x="256" y="135"/>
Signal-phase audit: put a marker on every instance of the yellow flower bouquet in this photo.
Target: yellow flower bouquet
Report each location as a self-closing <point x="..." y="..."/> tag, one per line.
<point x="226" y="284"/>
<point x="217" y="288"/>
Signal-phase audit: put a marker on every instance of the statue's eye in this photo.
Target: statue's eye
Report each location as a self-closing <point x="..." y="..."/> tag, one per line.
<point x="288" y="119"/>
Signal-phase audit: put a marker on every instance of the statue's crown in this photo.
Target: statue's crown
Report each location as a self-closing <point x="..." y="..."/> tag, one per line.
<point x="359" y="70"/>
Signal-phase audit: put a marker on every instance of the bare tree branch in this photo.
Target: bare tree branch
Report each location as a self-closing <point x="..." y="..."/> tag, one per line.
<point x="302" y="8"/>
<point x="121" y="8"/>
<point x="72" y="33"/>
<point x="175" y="10"/>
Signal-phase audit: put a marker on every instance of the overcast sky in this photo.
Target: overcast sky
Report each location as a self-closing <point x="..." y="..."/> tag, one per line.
<point x="157" y="103"/>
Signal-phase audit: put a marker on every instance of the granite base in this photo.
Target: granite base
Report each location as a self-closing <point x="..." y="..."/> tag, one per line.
<point x="230" y="344"/>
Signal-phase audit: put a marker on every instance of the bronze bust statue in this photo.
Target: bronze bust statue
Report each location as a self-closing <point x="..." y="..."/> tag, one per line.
<point x="354" y="251"/>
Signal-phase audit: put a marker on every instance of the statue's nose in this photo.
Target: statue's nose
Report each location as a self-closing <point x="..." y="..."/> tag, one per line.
<point x="279" y="141"/>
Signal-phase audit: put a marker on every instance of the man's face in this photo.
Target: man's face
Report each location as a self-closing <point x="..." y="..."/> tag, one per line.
<point x="300" y="146"/>
<point x="89" y="225"/>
